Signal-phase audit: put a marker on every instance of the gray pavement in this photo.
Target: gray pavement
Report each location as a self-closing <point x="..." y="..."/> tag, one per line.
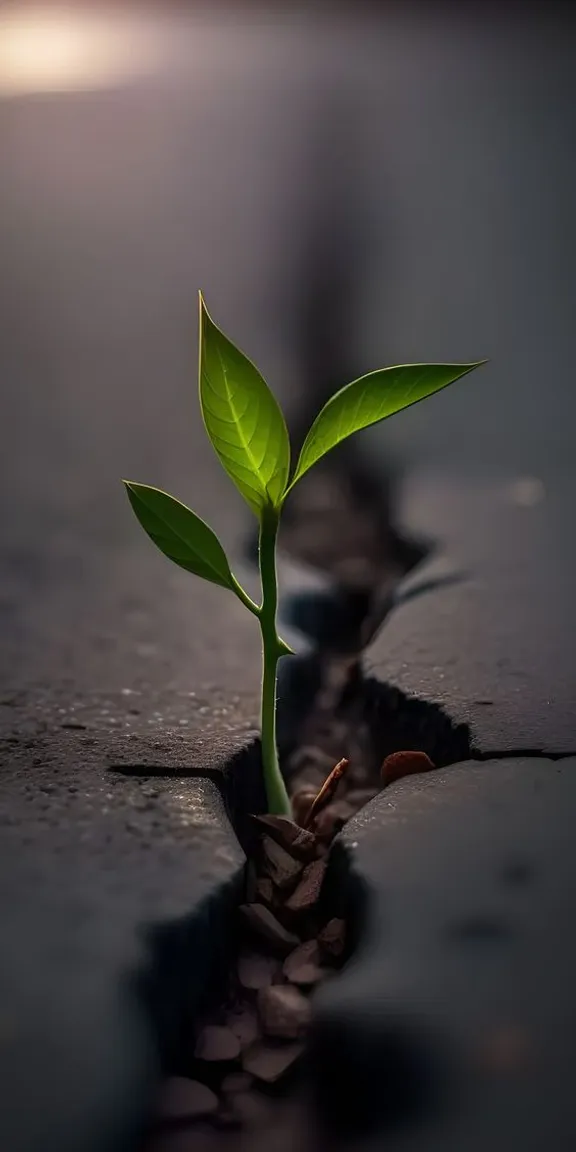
<point x="107" y="884"/>
<point x="452" y="1027"/>
<point x="495" y="647"/>
<point x="115" y="206"/>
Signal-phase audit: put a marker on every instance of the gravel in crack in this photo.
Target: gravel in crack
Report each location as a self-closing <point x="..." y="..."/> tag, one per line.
<point x="249" y="1095"/>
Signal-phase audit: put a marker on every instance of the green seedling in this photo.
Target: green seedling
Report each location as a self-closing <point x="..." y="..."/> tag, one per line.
<point x="250" y="438"/>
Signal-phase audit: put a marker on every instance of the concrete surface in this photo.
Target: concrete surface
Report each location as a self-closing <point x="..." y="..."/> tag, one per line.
<point x="107" y="885"/>
<point x="452" y="1028"/>
<point x="496" y="648"/>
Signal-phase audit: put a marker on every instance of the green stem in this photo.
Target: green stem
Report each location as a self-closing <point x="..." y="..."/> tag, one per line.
<point x="276" y="794"/>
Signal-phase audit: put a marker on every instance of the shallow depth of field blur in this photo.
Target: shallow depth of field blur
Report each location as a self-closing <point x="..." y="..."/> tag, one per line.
<point x="148" y="153"/>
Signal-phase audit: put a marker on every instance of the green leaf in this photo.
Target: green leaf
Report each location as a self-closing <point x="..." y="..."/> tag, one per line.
<point x="370" y="399"/>
<point x="180" y="534"/>
<point x="242" y="418"/>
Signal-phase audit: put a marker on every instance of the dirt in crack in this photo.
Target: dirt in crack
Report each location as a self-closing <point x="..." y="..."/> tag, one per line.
<point x="241" y="1084"/>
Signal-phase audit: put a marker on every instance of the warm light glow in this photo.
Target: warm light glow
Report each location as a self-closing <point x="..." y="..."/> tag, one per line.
<point x="58" y="50"/>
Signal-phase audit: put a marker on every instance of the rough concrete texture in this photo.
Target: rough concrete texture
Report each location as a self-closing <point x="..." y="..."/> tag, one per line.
<point x="115" y="206"/>
<point x="496" y="646"/>
<point x="110" y="889"/>
<point x="452" y="1028"/>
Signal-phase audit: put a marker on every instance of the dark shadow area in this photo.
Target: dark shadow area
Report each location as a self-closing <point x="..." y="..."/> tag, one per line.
<point x="374" y="1078"/>
<point x="183" y="981"/>
<point x="340" y="619"/>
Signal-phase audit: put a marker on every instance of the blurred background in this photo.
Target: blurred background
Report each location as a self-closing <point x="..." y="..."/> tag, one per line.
<point x="350" y="185"/>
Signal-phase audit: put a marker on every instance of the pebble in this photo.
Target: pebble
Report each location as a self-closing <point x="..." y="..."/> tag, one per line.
<point x="243" y="1022"/>
<point x="217" y="1042"/>
<point x="332" y="938"/>
<point x="302" y="966"/>
<point x="306" y="895"/>
<point x="282" y="868"/>
<point x="294" y="839"/>
<point x="284" y="1012"/>
<point x="400" y="764"/>
<point x="257" y="971"/>
<point x="183" y="1099"/>
<point x="268" y="1062"/>
<point x="264" y="924"/>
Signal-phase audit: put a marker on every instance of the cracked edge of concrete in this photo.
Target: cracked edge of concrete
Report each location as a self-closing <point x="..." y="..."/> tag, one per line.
<point x="447" y="911"/>
<point x="119" y="936"/>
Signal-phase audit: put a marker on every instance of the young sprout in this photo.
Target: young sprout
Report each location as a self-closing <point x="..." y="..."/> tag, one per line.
<point x="249" y="435"/>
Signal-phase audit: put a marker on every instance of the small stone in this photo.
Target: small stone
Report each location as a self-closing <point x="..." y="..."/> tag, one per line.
<point x="243" y="1022"/>
<point x="263" y="922"/>
<point x="183" y="1099"/>
<point x="307" y="893"/>
<point x="264" y="893"/>
<point x="400" y="764"/>
<point x="257" y="971"/>
<point x="282" y="868"/>
<point x="306" y="953"/>
<point x="217" y="1042"/>
<point x="332" y="938"/>
<point x="307" y="975"/>
<point x="302" y="966"/>
<point x="297" y="841"/>
<point x="236" y="1082"/>
<point x="268" y="1062"/>
<point x="284" y="1012"/>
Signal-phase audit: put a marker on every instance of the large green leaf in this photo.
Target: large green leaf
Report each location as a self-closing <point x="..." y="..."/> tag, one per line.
<point x="242" y="418"/>
<point x="180" y="534"/>
<point x="370" y="399"/>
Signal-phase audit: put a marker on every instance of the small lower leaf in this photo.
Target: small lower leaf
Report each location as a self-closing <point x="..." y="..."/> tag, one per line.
<point x="180" y="534"/>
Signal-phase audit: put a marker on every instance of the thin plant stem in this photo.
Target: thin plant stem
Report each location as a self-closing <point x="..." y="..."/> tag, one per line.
<point x="245" y="598"/>
<point x="276" y="794"/>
